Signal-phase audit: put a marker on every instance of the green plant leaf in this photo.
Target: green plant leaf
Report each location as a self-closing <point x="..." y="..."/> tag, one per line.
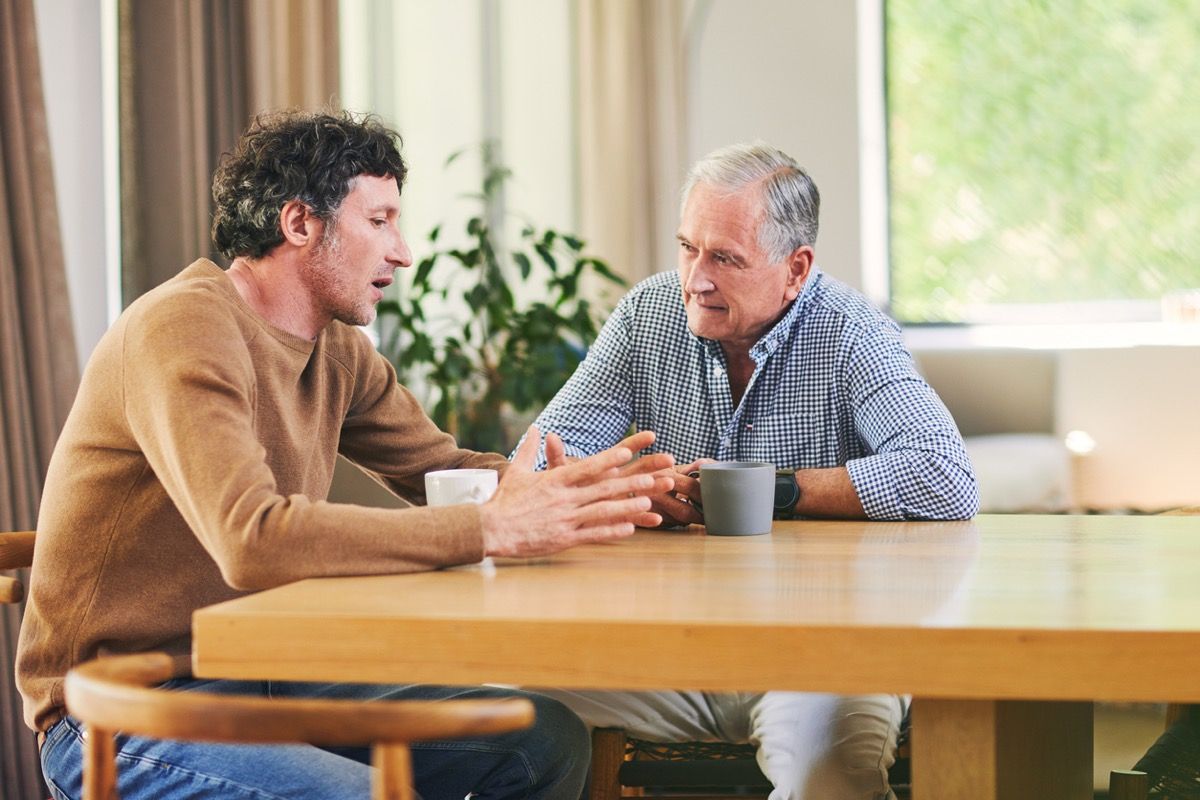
<point x="523" y="265"/>
<point x="547" y="257"/>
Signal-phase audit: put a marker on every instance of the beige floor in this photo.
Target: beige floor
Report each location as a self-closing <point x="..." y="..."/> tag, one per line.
<point x="1123" y="733"/>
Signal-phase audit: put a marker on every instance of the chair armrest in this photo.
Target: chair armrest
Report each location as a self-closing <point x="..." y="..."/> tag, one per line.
<point x="11" y="591"/>
<point x="16" y="549"/>
<point x="113" y="694"/>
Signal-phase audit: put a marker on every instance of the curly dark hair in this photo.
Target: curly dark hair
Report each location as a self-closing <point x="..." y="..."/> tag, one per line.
<point x="310" y="157"/>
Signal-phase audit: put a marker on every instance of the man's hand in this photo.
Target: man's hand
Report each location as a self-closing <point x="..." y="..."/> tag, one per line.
<point x="593" y="499"/>
<point x="681" y="505"/>
<point x="674" y="508"/>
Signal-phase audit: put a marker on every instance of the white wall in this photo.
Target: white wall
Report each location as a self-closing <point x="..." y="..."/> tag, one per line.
<point x="449" y="86"/>
<point x="69" y="46"/>
<point x="786" y="72"/>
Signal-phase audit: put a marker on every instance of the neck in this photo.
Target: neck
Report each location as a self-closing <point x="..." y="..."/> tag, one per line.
<point x="272" y="288"/>
<point x="739" y="366"/>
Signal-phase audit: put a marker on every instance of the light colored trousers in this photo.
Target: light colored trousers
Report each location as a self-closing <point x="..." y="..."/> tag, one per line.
<point x="810" y="746"/>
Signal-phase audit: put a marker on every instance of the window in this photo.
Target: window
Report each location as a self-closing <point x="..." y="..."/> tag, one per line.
<point x="1044" y="159"/>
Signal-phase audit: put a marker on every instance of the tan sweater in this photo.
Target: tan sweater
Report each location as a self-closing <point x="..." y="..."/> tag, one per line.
<point x="194" y="468"/>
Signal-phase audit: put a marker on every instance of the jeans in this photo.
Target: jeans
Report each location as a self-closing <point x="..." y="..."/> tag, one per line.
<point x="549" y="760"/>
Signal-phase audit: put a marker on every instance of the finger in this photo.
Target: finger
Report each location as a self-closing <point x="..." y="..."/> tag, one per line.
<point x="597" y="534"/>
<point x="638" y="441"/>
<point x="593" y="467"/>
<point x="556" y="451"/>
<point x="653" y="463"/>
<point x="617" y="487"/>
<point x="650" y="519"/>
<point x="526" y="455"/>
<point x="609" y="512"/>
<point x="621" y="486"/>
<point x="687" y="485"/>
<point x="663" y="484"/>
<point x="683" y="513"/>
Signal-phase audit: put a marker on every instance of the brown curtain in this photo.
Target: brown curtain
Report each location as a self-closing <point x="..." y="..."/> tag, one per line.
<point x="38" y="370"/>
<point x="192" y="76"/>
<point x="631" y="130"/>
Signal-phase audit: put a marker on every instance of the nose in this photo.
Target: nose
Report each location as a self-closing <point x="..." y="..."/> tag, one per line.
<point x="400" y="255"/>
<point x="696" y="279"/>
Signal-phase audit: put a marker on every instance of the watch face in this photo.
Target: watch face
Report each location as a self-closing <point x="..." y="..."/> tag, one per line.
<point x="787" y="493"/>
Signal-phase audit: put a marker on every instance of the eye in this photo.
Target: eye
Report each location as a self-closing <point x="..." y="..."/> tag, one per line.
<point x="379" y="222"/>
<point x="687" y="247"/>
<point x="721" y="258"/>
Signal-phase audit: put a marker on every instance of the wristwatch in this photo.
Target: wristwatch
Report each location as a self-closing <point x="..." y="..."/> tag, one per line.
<point x="787" y="493"/>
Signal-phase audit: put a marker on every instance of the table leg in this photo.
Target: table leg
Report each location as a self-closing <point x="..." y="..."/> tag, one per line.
<point x="1001" y="750"/>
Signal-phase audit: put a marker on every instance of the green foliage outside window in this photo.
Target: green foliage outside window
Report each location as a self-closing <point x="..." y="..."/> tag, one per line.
<point x="1041" y="151"/>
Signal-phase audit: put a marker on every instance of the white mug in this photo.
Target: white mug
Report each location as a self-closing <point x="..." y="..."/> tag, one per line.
<point x="449" y="487"/>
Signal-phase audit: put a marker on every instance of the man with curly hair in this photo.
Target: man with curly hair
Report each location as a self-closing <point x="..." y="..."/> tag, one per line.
<point x="196" y="461"/>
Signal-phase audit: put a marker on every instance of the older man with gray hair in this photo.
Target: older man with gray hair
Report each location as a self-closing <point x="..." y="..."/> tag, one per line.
<point x="748" y="351"/>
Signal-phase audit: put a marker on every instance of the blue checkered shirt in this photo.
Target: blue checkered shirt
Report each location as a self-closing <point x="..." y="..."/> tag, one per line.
<point x="833" y="385"/>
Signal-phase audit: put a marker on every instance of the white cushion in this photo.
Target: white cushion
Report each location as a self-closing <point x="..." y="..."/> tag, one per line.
<point x="1021" y="472"/>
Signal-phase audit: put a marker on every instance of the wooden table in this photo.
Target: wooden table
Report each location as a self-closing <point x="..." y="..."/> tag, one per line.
<point x="1004" y="629"/>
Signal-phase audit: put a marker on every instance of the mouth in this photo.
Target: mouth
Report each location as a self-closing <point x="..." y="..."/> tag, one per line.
<point x="709" y="307"/>
<point x="382" y="283"/>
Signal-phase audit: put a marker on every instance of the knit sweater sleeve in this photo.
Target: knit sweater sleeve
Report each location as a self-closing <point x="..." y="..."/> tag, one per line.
<point x="387" y="432"/>
<point x="189" y="391"/>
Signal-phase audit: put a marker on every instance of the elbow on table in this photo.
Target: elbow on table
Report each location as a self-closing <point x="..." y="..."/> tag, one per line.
<point x="246" y="568"/>
<point x="957" y="497"/>
<point x="945" y="490"/>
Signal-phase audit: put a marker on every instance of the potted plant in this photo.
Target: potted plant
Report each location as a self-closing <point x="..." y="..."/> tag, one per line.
<point x="497" y="356"/>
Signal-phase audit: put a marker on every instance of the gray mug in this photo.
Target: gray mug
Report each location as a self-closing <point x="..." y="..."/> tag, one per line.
<point x="738" y="496"/>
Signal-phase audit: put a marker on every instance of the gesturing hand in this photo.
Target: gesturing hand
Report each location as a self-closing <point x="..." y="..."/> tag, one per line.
<point x="593" y="499"/>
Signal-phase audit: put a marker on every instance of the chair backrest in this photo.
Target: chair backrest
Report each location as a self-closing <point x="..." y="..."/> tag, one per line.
<point x="114" y="694"/>
<point x="16" y="552"/>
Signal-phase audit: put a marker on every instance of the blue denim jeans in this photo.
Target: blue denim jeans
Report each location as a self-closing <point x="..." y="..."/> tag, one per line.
<point x="549" y="760"/>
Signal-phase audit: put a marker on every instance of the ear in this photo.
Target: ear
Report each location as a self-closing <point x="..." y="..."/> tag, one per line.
<point x="299" y="225"/>
<point x="799" y="264"/>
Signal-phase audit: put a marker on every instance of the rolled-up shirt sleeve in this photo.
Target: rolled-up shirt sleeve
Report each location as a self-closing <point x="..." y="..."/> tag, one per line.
<point x="918" y="467"/>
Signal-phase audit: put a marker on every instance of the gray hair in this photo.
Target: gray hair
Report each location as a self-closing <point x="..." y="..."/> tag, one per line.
<point x="789" y="195"/>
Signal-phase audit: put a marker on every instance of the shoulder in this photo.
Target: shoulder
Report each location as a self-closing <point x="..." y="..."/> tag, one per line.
<point x="660" y="289"/>
<point x="193" y="308"/>
<point x="832" y="304"/>
<point x="655" y="302"/>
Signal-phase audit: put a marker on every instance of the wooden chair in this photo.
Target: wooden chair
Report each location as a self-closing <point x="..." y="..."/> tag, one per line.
<point x="1126" y="784"/>
<point x="625" y="767"/>
<point x="16" y="552"/>
<point x="114" y="694"/>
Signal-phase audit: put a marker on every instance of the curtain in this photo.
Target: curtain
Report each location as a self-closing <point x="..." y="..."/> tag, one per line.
<point x="38" y="370"/>
<point x="192" y="75"/>
<point x="631" y="130"/>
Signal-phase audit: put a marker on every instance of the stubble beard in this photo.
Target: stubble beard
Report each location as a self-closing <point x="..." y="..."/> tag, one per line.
<point x="325" y="276"/>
